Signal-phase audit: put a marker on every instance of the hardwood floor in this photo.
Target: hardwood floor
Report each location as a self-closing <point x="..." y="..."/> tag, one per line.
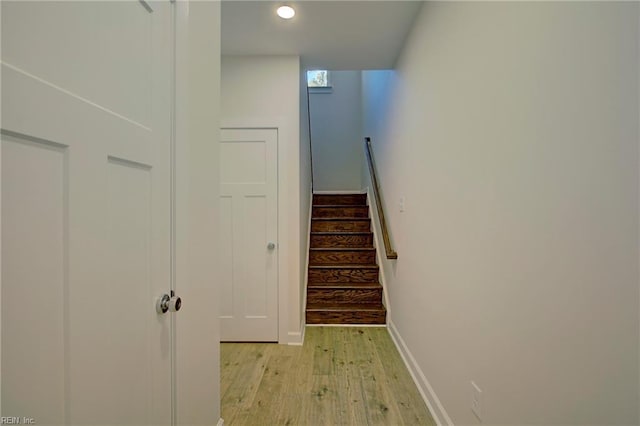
<point x="341" y="376"/>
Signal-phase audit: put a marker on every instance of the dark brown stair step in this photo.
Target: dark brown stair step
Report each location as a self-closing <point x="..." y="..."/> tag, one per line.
<point x="342" y="199"/>
<point x="341" y="239"/>
<point x="346" y="285"/>
<point x="342" y="256"/>
<point x="342" y="313"/>
<point x="342" y="284"/>
<point x="343" y="274"/>
<point x="340" y="211"/>
<point x="340" y="225"/>
<point x="332" y="294"/>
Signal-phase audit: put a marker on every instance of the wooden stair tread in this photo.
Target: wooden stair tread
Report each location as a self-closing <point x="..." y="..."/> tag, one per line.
<point x="348" y="285"/>
<point x="341" y="219"/>
<point x="345" y="286"/>
<point x="338" y="307"/>
<point x="340" y="206"/>
<point x="369" y="266"/>
<point x="340" y="199"/>
<point x="341" y="239"/>
<point x="341" y="264"/>
<point x="338" y="233"/>
<point x="332" y="211"/>
<point x="342" y="248"/>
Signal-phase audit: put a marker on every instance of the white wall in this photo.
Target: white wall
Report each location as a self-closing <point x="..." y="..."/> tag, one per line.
<point x="266" y="90"/>
<point x="336" y="136"/>
<point x="512" y="131"/>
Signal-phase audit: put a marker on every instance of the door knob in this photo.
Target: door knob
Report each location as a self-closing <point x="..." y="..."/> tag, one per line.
<point x="167" y="303"/>
<point x="271" y="246"/>
<point x="175" y="303"/>
<point x="162" y="305"/>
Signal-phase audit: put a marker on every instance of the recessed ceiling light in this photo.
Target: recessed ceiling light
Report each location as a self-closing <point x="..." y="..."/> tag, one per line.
<point x="286" y="12"/>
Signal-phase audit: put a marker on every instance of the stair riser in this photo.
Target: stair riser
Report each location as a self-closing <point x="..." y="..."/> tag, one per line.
<point x="352" y="317"/>
<point x="340" y="211"/>
<point x="355" y="275"/>
<point x="346" y="199"/>
<point x="328" y="296"/>
<point x="328" y="241"/>
<point x="340" y="226"/>
<point x="342" y="257"/>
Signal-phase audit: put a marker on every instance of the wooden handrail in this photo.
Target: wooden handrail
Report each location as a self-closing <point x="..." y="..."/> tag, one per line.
<point x="391" y="253"/>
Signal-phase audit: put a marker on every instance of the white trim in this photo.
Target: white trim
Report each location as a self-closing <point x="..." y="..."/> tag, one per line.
<point x="303" y="319"/>
<point x="375" y="221"/>
<point x="271" y="122"/>
<point x="1" y="237"/>
<point x="638" y="134"/>
<point x="426" y="391"/>
<point x="280" y="124"/>
<point x="343" y="192"/>
<point x="320" y="90"/>
<point x="296" y="338"/>
<point x="180" y="202"/>
<point x="220" y="422"/>
<point x="197" y="192"/>
<point x="172" y="191"/>
<point x="349" y="325"/>
<point x="306" y="263"/>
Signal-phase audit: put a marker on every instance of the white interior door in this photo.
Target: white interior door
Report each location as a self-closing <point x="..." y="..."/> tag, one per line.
<point x="249" y="230"/>
<point x="86" y="143"/>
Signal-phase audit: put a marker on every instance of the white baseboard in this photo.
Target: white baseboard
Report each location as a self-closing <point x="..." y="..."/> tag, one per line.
<point x="296" y="338"/>
<point x="428" y="394"/>
<point x="220" y="422"/>
<point x="341" y="192"/>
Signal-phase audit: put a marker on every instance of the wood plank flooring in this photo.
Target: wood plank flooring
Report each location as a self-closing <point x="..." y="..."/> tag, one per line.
<point x="341" y="376"/>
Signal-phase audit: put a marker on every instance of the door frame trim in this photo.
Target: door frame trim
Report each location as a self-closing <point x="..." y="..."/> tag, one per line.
<point x="197" y="93"/>
<point x="284" y="249"/>
<point x="0" y="240"/>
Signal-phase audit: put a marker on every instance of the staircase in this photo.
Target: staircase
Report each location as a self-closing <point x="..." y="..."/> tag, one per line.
<point x="343" y="285"/>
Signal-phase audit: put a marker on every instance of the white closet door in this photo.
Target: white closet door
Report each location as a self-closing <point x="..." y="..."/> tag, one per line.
<point x="249" y="229"/>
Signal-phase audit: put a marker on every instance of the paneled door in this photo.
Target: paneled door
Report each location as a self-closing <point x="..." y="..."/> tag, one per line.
<point x="86" y="203"/>
<point x="249" y="230"/>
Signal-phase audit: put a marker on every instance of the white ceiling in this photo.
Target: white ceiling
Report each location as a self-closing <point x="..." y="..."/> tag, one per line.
<point x="335" y="35"/>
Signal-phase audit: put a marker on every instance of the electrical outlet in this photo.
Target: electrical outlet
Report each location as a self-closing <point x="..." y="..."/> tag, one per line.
<point x="476" y="400"/>
<point x="401" y="204"/>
